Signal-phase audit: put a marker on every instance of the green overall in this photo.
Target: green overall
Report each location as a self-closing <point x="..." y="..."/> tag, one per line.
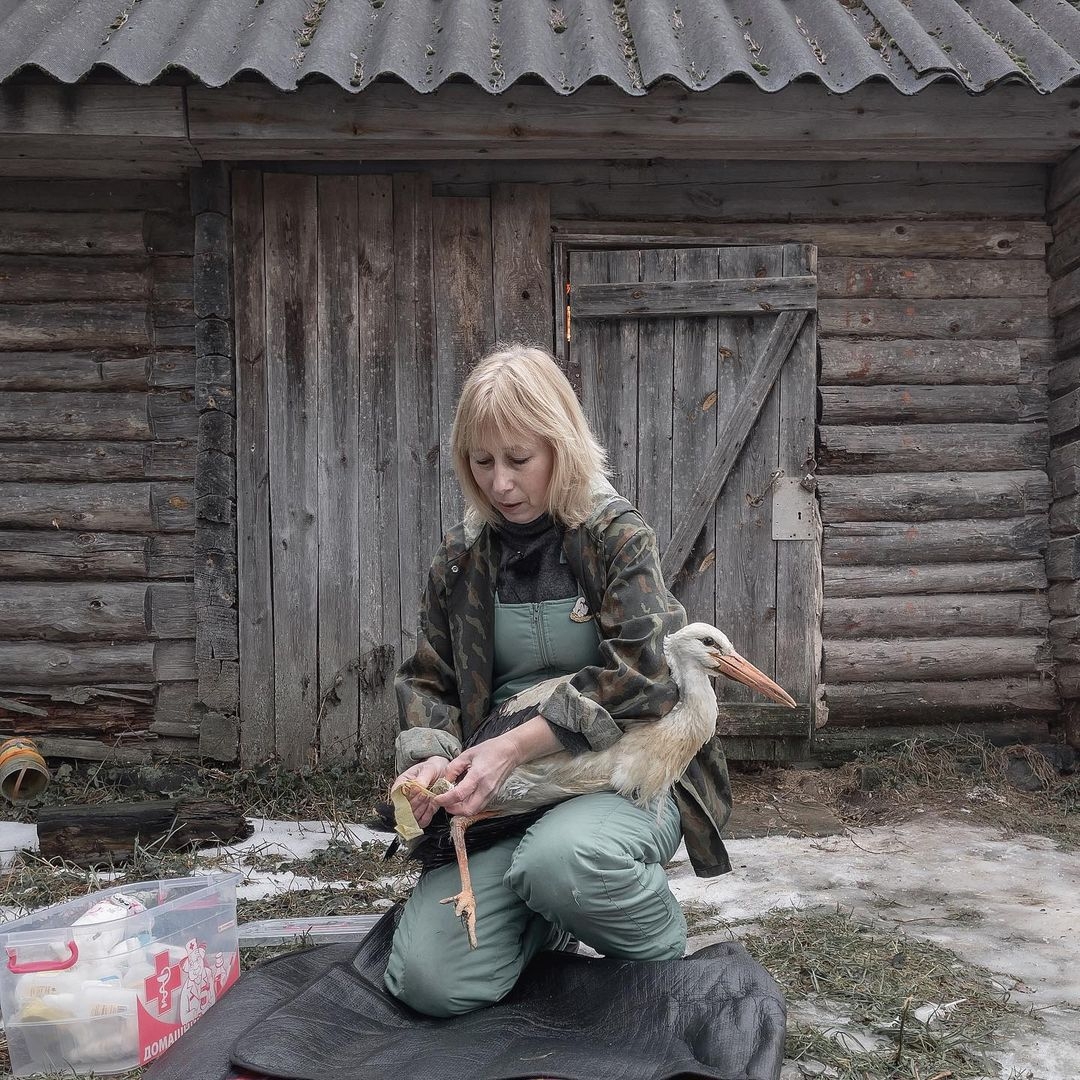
<point x="591" y="867"/>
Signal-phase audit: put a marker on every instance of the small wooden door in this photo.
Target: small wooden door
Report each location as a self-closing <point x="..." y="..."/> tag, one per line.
<point x="697" y="368"/>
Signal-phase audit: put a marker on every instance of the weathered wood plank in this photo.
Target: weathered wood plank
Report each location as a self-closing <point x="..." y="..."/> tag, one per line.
<point x="1064" y="376"/>
<point x="843" y="743"/>
<point x="73" y="326"/>
<point x="93" y="460"/>
<point x="291" y="229"/>
<point x="744" y="559"/>
<point x="798" y="562"/>
<point x="921" y="404"/>
<point x="463" y="121"/>
<point x="379" y="587"/>
<point x="946" y="319"/>
<point x="899" y="543"/>
<point x="163" y="414"/>
<point x="751" y="401"/>
<point x="930" y="279"/>
<point x="734" y="296"/>
<point x="1065" y="638"/>
<point x="865" y="363"/>
<point x="955" y="658"/>
<point x="521" y="259"/>
<point x="851" y="704"/>
<point x="914" y="239"/>
<point x="1064" y="182"/>
<point x="933" y="447"/>
<point x="32" y="278"/>
<point x="257" y="671"/>
<point x="925" y="497"/>
<point x="417" y="393"/>
<point x="72" y="233"/>
<point x="104" y="507"/>
<point x="110" y="194"/>
<point x="936" y="616"/>
<point x="75" y="710"/>
<point x="48" y="663"/>
<point x="1065" y="516"/>
<point x="95" y="370"/>
<point x="34" y="554"/>
<point x="464" y="321"/>
<point x="338" y="389"/>
<point x="985" y="577"/>
<point x="1064" y="598"/>
<point x="753" y="720"/>
<point x="656" y="372"/>
<point x="1064" y="413"/>
<point x="1065" y="293"/>
<point x="696" y="383"/>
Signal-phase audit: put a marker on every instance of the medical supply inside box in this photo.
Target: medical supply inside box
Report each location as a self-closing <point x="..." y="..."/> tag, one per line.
<point x="111" y="980"/>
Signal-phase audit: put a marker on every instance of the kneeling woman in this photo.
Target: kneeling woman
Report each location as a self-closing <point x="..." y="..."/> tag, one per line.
<point x="551" y="573"/>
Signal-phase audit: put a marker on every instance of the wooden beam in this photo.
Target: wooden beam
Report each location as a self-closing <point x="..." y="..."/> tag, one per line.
<point x="980" y="577"/>
<point x="853" y="362"/>
<point x="733" y="120"/>
<point x="737" y="296"/>
<point x="744" y="414"/>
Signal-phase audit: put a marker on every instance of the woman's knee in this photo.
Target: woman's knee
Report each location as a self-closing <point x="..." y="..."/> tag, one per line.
<point x="435" y="988"/>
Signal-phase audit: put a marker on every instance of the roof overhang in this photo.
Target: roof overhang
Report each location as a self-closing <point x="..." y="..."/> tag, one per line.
<point x="177" y="126"/>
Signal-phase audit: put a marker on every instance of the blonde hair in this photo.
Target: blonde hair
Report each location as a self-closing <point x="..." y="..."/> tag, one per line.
<point x="518" y="391"/>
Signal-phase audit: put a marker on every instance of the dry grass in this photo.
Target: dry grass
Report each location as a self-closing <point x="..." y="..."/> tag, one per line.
<point x="966" y="779"/>
<point x="872" y="982"/>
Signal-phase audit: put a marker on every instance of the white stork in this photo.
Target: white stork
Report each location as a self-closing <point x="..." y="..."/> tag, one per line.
<point x="642" y="765"/>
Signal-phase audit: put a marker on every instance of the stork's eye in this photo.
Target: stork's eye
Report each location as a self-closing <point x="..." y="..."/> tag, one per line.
<point x="707" y="641"/>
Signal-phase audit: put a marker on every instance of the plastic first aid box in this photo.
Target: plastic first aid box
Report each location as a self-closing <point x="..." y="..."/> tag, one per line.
<point x="108" y="982"/>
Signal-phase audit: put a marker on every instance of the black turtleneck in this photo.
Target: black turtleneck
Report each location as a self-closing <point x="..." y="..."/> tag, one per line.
<point x="532" y="567"/>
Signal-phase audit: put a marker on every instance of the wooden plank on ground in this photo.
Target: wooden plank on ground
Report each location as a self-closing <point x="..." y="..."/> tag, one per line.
<point x="337" y="402"/>
<point x="926" y="496"/>
<point x="751" y="821"/>
<point x="933" y="447"/>
<point x="897" y="660"/>
<point x="893" y="543"/>
<point x="859" y="362"/>
<point x="257" y="671"/>
<point x="968" y="577"/>
<point x="291" y="236"/>
<point x="464" y="321"/>
<point x="379" y="581"/>
<point x="521" y="258"/>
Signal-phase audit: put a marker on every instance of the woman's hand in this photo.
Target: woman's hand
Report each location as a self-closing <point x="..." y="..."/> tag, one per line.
<point x="424" y="773"/>
<point x="480" y="771"/>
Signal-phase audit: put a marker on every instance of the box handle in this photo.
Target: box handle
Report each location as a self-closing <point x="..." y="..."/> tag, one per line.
<point x="44" y="965"/>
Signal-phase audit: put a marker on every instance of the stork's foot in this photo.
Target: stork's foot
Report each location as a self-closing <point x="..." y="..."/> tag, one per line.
<point x="465" y="909"/>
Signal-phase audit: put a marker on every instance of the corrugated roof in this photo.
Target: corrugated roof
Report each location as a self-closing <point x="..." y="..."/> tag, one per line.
<point x="630" y="43"/>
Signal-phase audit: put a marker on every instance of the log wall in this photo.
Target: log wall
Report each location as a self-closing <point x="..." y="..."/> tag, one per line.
<point x="935" y="348"/>
<point x="1063" y="554"/>
<point x="98" y="428"/>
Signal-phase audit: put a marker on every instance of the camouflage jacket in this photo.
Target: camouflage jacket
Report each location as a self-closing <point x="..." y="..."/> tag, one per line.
<point x="444" y="690"/>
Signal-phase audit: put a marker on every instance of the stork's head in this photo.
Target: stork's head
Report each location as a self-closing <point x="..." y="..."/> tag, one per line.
<point x="703" y="646"/>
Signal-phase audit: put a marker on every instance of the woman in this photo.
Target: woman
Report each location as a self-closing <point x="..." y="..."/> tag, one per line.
<point x="552" y="572"/>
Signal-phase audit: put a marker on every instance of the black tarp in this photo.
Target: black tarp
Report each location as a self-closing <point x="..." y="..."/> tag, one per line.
<point x="323" y="1015"/>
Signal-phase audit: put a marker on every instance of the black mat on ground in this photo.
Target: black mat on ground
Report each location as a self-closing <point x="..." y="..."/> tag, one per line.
<point x="323" y="1015"/>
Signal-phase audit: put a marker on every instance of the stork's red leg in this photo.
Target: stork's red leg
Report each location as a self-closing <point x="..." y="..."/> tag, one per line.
<point x="464" y="902"/>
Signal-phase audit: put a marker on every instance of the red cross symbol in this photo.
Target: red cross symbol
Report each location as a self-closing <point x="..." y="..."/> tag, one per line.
<point x="162" y="983"/>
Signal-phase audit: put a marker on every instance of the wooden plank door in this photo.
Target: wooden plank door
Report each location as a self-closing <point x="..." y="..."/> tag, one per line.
<point x="697" y="368"/>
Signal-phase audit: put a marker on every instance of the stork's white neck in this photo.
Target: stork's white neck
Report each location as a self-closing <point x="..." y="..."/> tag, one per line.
<point x="697" y="706"/>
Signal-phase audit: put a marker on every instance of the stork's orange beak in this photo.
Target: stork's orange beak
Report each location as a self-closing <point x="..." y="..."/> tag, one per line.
<point x="741" y="670"/>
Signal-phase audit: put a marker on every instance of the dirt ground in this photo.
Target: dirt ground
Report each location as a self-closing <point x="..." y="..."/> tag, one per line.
<point x="921" y="909"/>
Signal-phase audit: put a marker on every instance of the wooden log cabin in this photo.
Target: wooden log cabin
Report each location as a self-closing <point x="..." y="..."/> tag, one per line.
<point x="815" y="276"/>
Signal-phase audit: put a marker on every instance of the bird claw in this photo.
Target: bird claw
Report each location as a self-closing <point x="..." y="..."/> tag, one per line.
<point x="465" y="909"/>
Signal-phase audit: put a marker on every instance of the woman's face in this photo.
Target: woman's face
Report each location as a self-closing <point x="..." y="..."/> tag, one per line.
<point x="514" y="474"/>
